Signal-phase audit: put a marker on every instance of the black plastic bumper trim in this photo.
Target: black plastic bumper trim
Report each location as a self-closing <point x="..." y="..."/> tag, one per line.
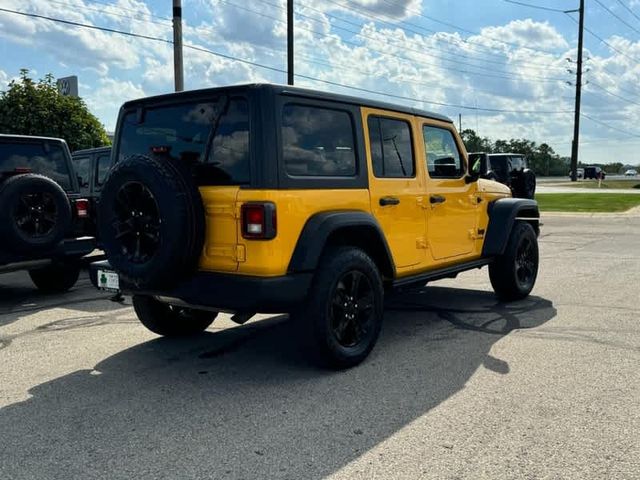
<point x="228" y="292"/>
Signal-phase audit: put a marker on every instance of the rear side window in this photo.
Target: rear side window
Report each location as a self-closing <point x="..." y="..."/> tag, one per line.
<point x="443" y="156"/>
<point x="187" y="131"/>
<point x="317" y="141"/>
<point x="391" y="148"/>
<point x="50" y="161"/>
<point x="103" y="163"/>
<point x="82" y="166"/>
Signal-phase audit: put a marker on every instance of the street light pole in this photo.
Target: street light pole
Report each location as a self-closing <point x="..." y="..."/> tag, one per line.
<point x="290" y="73"/>
<point x="178" y="71"/>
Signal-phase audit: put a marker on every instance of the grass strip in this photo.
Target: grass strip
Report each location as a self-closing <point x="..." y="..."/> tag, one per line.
<point x="587" y="202"/>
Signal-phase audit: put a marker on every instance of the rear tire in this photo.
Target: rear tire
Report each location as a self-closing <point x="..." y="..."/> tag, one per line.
<point x="169" y="320"/>
<point x="514" y="273"/>
<point x="55" y="278"/>
<point x="342" y="318"/>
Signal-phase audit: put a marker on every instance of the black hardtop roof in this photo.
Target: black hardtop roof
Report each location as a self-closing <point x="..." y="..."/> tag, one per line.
<point x="91" y="150"/>
<point x="287" y="89"/>
<point x="27" y="138"/>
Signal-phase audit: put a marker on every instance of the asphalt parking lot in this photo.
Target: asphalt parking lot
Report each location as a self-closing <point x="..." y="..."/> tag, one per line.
<point x="459" y="386"/>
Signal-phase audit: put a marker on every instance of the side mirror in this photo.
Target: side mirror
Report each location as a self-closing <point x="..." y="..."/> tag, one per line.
<point x="471" y="177"/>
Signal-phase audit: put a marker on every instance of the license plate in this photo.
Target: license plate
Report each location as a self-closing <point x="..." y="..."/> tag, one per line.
<point x="108" y="280"/>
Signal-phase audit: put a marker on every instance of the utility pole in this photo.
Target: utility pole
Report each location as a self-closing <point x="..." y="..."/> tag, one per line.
<point x="178" y="71"/>
<point x="290" y="73"/>
<point x="576" y="122"/>
<point x="460" y="122"/>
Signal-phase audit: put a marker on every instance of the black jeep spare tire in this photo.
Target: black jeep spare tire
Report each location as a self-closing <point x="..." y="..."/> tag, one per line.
<point x="35" y="213"/>
<point x="151" y="221"/>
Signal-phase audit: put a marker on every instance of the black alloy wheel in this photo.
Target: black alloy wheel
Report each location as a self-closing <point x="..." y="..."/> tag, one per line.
<point x="341" y="319"/>
<point x="137" y="222"/>
<point x="36" y="215"/>
<point x="513" y="274"/>
<point x="526" y="263"/>
<point x="351" y="310"/>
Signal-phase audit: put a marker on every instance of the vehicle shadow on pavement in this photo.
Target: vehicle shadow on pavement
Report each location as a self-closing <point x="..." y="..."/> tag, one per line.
<point x="18" y="296"/>
<point x="243" y="402"/>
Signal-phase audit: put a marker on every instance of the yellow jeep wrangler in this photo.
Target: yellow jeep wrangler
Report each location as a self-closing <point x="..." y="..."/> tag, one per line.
<point x="274" y="199"/>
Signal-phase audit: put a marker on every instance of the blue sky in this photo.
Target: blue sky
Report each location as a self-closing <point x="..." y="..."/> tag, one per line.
<point x="489" y="54"/>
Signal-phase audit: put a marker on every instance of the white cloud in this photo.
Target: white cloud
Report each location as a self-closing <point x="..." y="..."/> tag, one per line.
<point x="105" y="100"/>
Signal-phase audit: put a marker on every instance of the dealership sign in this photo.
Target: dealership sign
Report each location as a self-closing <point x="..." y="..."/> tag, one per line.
<point x="68" y="86"/>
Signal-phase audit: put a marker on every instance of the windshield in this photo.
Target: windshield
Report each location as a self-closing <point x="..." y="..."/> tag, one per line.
<point x="34" y="157"/>
<point x="212" y="137"/>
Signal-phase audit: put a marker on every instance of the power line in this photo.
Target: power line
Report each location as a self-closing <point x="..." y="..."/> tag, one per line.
<point x="595" y="35"/>
<point x="406" y="30"/>
<point x="465" y="30"/>
<point x="538" y="7"/>
<point x="628" y="9"/>
<point x="504" y="75"/>
<point x="230" y="57"/>
<point x="609" y="92"/>
<point x="105" y="12"/>
<point x="604" y="124"/>
<point x="131" y="10"/>
<point x="622" y="20"/>
<point x="475" y="47"/>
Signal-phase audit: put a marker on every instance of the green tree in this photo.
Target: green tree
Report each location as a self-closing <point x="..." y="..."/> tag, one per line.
<point x="474" y="143"/>
<point x="36" y="108"/>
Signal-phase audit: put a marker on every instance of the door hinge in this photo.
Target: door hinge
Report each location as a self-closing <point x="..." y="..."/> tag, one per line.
<point x="476" y="234"/>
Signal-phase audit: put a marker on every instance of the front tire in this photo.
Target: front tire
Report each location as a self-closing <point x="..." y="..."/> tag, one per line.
<point x="55" y="278"/>
<point x="514" y="273"/>
<point x="169" y="320"/>
<point x="343" y="315"/>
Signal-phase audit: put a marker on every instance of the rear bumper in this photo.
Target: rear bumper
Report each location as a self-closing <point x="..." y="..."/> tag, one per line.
<point x="226" y="292"/>
<point x="66" y="251"/>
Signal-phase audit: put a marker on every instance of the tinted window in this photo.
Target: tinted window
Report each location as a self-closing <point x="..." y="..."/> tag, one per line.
<point x="517" y="163"/>
<point x="317" y="141"/>
<point x="391" y="149"/>
<point x="229" y="160"/>
<point x="50" y="162"/>
<point x="82" y="166"/>
<point x="443" y="157"/>
<point x="183" y="132"/>
<point x="103" y="163"/>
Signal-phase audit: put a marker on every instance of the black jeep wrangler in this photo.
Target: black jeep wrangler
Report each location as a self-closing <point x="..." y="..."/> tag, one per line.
<point x="511" y="169"/>
<point x="40" y="206"/>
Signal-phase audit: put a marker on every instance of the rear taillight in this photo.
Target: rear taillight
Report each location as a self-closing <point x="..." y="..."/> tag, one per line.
<point x="82" y="208"/>
<point x="259" y="220"/>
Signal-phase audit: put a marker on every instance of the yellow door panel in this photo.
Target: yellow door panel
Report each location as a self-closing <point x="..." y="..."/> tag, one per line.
<point x="397" y="203"/>
<point x="452" y="219"/>
<point x="220" y="250"/>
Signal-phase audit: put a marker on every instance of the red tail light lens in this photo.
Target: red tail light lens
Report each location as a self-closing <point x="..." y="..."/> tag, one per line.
<point x="82" y="208"/>
<point x="259" y="221"/>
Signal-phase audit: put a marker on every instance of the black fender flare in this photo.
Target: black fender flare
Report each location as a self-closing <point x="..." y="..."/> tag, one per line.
<point x="503" y="214"/>
<point x="321" y="226"/>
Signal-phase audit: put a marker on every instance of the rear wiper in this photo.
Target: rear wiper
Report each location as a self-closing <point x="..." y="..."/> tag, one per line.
<point x="215" y="123"/>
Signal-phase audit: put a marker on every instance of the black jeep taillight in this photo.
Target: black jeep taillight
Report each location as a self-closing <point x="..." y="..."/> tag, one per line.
<point x="82" y="208"/>
<point x="259" y="220"/>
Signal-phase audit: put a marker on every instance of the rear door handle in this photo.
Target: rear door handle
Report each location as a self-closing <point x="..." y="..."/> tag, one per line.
<point x="437" y="199"/>
<point x="385" y="201"/>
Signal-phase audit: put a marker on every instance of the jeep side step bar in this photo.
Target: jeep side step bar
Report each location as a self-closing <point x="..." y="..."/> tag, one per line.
<point x="440" y="273"/>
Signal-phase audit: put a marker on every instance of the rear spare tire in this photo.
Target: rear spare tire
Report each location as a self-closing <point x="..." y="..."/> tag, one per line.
<point x="35" y="213"/>
<point x="151" y="221"/>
